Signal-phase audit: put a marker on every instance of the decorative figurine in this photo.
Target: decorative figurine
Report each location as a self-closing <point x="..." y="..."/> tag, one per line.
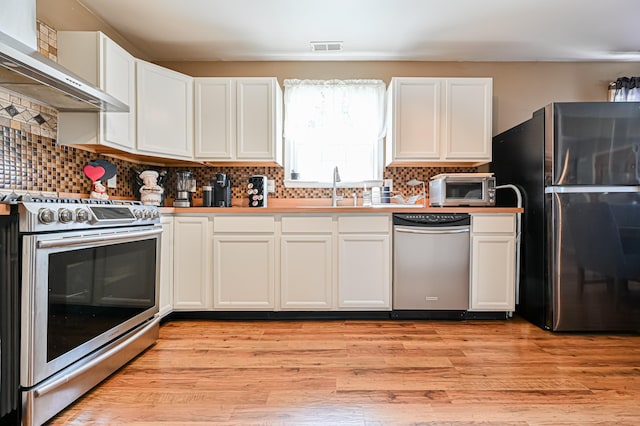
<point x="97" y="171"/>
<point x="150" y="191"/>
<point x="99" y="192"/>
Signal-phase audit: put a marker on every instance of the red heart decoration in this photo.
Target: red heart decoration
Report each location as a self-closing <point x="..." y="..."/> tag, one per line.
<point x="94" y="173"/>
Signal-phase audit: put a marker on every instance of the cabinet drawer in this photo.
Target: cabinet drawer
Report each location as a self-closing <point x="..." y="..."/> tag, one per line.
<point x="360" y="224"/>
<point x="307" y="225"/>
<point x="493" y="223"/>
<point x="243" y="224"/>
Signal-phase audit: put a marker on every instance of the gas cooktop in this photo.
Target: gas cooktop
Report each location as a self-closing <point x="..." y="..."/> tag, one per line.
<point x="45" y="212"/>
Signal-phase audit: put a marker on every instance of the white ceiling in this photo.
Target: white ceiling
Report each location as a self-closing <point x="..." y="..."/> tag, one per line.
<point x="425" y="30"/>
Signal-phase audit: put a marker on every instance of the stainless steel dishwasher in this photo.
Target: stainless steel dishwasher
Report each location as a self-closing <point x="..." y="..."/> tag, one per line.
<point x="431" y="262"/>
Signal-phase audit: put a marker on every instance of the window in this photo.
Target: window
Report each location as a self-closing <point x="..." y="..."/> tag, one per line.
<point x="332" y="123"/>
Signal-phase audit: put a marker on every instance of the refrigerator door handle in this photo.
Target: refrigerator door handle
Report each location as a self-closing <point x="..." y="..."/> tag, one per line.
<point x="580" y="189"/>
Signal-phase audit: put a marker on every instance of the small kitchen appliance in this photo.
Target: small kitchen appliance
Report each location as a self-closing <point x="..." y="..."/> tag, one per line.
<point x="257" y="191"/>
<point x="221" y="190"/>
<point x="462" y="189"/>
<point x="183" y="189"/>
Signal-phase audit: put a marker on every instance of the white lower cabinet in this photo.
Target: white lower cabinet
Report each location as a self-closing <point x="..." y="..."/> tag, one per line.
<point x="493" y="258"/>
<point x="192" y="260"/>
<point x="165" y="296"/>
<point x="244" y="263"/>
<point x="364" y="263"/>
<point x="306" y="263"/>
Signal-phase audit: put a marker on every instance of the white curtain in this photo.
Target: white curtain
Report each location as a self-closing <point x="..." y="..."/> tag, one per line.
<point x="331" y="123"/>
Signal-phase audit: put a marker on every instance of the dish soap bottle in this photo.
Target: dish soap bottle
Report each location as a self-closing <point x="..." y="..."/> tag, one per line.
<point x="366" y="197"/>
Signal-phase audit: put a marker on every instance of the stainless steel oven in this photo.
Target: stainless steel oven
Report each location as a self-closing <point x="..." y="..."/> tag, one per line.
<point x="88" y="283"/>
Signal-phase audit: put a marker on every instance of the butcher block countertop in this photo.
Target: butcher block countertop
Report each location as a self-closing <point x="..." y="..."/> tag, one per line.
<point x="323" y="205"/>
<point x="304" y="205"/>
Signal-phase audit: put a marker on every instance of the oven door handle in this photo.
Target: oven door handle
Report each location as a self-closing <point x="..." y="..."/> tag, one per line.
<point x="83" y="240"/>
<point x="432" y="230"/>
<point x="88" y="366"/>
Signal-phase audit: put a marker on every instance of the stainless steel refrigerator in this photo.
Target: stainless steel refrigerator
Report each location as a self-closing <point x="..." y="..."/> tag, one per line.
<point x="577" y="165"/>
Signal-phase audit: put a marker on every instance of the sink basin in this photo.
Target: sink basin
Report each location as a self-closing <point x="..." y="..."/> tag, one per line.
<point x="362" y="207"/>
<point x="331" y="207"/>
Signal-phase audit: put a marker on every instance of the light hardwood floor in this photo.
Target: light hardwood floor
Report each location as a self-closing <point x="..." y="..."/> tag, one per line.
<point x="370" y="373"/>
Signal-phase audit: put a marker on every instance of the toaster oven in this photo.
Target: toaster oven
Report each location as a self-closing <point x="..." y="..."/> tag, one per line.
<point x="462" y="189"/>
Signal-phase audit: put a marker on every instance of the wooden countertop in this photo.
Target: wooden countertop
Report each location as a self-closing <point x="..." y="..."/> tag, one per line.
<point x="303" y="205"/>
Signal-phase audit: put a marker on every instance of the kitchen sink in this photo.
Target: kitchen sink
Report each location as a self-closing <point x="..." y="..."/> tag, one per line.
<point x="363" y="207"/>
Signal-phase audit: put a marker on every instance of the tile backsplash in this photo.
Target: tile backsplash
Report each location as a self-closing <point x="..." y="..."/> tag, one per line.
<point x="30" y="158"/>
<point x="36" y="163"/>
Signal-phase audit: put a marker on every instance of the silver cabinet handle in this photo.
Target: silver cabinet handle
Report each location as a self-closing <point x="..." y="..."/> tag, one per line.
<point x="431" y="231"/>
<point x="579" y="189"/>
<point x="116" y="237"/>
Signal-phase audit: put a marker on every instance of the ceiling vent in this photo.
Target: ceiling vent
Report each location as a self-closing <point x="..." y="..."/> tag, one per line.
<point x="326" y="46"/>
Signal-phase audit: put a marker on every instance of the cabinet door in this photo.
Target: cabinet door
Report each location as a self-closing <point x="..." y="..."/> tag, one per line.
<point x="96" y="58"/>
<point x="165" y="111"/>
<point x="492" y="273"/>
<point x="364" y="272"/>
<point x="256" y="119"/>
<point x="215" y="118"/>
<point x="192" y="278"/>
<point x="416" y="109"/>
<point x="467" y="119"/>
<point x="306" y="272"/>
<point x="244" y="277"/>
<point x="118" y="79"/>
<point x="166" y="266"/>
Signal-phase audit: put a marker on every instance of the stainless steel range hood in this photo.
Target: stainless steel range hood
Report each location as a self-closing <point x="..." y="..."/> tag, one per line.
<point x="27" y="72"/>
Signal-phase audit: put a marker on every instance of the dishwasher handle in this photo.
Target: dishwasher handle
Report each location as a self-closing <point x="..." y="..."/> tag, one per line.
<point x="432" y="230"/>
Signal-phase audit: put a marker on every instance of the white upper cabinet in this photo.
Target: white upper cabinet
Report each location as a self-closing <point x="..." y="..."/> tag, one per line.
<point x="238" y="119"/>
<point x="215" y="118"/>
<point x="467" y="119"/>
<point x="165" y="111"/>
<point x="97" y="59"/>
<point x="439" y="120"/>
<point x="413" y="128"/>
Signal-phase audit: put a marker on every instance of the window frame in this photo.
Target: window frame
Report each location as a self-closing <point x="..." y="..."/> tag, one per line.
<point x="379" y="153"/>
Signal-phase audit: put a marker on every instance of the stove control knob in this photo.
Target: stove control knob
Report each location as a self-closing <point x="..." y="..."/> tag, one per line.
<point x="147" y="214"/>
<point x="82" y="215"/>
<point x="137" y="214"/>
<point x="46" y="216"/>
<point x="155" y="214"/>
<point x="65" y="215"/>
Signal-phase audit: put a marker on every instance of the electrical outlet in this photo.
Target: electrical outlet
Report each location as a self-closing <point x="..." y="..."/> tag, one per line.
<point x="271" y="186"/>
<point x="111" y="183"/>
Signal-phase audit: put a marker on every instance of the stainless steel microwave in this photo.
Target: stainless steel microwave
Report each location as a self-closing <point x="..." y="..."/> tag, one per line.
<point x="462" y="189"/>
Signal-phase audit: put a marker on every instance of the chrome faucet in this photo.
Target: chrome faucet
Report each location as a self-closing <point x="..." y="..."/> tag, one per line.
<point x="335" y="197"/>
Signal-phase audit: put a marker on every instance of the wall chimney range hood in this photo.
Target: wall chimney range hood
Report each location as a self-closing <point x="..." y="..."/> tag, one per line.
<point x="25" y="71"/>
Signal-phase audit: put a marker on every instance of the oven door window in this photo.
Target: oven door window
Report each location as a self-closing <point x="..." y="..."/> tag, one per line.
<point x="91" y="290"/>
<point x="466" y="190"/>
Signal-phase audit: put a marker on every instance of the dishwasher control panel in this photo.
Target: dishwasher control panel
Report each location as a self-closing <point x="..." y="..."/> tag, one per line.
<point x="431" y="219"/>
